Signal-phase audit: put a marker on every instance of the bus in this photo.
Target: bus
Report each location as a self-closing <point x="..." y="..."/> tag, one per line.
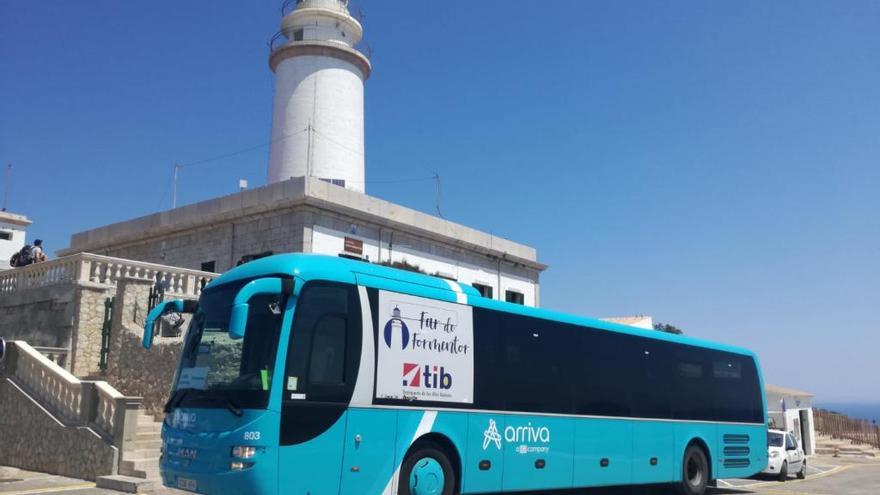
<point x="310" y="374"/>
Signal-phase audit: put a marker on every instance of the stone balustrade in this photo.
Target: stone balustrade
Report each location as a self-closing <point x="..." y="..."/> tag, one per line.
<point x="75" y="402"/>
<point x="108" y="401"/>
<point x="104" y="271"/>
<point x="54" y="387"/>
<point x="58" y="355"/>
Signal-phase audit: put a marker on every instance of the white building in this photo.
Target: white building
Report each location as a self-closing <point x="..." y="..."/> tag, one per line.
<point x="641" y="321"/>
<point x="306" y="215"/>
<point x="792" y="410"/>
<point x="315" y="200"/>
<point x="12" y="235"/>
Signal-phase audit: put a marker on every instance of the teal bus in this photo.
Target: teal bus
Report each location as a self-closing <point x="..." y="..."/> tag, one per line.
<point x="309" y="374"/>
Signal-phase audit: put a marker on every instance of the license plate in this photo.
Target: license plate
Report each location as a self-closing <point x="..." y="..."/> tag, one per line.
<point x="186" y="484"/>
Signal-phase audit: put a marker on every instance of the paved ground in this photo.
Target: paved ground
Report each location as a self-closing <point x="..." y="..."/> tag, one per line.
<point x="17" y="482"/>
<point x="826" y="476"/>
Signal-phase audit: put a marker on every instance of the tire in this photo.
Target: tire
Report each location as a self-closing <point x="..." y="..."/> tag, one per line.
<point x="783" y="471"/>
<point x="802" y="474"/>
<point x="426" y="470"/>
<point x="694" y="472"/>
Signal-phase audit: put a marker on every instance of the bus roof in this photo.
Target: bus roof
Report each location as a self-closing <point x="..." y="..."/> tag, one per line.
<point x="334" y="268"/>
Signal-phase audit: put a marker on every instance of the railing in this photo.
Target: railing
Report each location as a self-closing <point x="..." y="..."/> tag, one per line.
<point x="58" y="355"/>
<point x="53" y="386"/>
<point x="288" y="5"/>
<point x="106" y="408"/>
<point x="279" y="41"/>
<point x="839" y="426"/>
<point x="103" y="270"/>
<point x="75" y="402"/>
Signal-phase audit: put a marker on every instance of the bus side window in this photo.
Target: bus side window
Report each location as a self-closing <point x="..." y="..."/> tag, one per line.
<point x="605" y="377"/>
<point x="736" y="389"/>
<point x="651" y="389"/>
<point x="691" y="391"/>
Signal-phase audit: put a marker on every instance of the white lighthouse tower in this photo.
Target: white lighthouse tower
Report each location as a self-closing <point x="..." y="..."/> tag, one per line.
<point x="318" y="109"/>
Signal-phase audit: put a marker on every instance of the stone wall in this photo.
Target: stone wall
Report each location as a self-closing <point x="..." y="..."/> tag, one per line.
<point x="223" y="243"/>
<point x="68" y="315"/>
<point x="32" y="439"/>
<point x="133" y="370"/>
<point x="42" y="316"/>
<point x="86" y="349"/>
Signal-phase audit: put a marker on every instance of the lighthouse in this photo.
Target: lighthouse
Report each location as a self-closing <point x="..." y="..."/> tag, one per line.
<point x="318" y="107"/>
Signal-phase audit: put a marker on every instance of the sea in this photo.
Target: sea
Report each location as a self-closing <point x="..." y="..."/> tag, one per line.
<point x="868" y="411"/>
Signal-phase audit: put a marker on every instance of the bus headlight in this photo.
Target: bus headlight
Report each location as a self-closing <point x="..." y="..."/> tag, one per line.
<point x="243" y="452"/>
<point x="238" y="466"/>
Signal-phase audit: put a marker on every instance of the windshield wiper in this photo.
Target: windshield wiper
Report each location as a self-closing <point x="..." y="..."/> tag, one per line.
<point x="178" y="396"/>
<point x="233" y="407"/>
<point x="175" y="399"/>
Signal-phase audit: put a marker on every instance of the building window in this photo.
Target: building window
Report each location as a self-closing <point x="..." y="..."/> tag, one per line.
<point x="298" y="35"/>
<point x="484" y="290"/>
<point x="335" y="182"/>
<point x="209" y="266"/>
<point x="251" y="257"/>
<point x="5" y="235"/>
<point x="514" y="297"/>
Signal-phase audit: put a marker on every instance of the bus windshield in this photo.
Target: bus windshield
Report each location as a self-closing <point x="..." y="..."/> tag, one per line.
<point x="218" y="371"/>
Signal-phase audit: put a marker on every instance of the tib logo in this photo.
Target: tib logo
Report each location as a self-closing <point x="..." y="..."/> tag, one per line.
<point x="414" y="375"/>
<point x="395" y="327"/>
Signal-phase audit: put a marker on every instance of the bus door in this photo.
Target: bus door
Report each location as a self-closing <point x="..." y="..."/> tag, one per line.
<point x="322" y="361"/>
<point x="368" y="462"/>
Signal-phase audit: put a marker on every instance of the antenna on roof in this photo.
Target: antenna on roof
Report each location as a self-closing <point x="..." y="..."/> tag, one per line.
<point x="437" y="194"/>
<point x="177" y="168"/>
<point x="6" y="186"/>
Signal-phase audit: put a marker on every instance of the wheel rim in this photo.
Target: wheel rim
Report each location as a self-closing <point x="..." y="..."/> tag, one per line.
<point x="426" y="477"/>
<point x="694" y="472"/>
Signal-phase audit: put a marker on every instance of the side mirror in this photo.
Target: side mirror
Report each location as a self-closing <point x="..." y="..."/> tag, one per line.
<point x="241" y="304"/>
<point x="2" y="349"/>
<point x="178" y="305"/>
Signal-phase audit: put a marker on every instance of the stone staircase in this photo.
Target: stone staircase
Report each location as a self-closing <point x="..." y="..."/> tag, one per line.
<point x="76" y="428"/>
<point x="825" y="445"/>
<point x="139" y="467"/>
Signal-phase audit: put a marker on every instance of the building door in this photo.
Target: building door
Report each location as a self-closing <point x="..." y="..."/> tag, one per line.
<point x="806" y="430"/>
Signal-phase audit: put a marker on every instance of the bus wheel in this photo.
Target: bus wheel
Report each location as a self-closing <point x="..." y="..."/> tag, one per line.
<point x="694" y="472"/>
<point x="426" y="471"/>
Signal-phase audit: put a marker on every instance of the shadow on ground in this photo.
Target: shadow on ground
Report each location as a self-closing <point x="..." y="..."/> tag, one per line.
<point x="655" y="490"/>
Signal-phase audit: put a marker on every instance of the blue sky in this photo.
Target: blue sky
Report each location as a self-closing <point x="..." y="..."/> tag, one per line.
<point x="714" y="164"/>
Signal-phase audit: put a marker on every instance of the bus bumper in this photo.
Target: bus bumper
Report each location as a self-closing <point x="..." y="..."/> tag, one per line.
<point x="200" y="456"/>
